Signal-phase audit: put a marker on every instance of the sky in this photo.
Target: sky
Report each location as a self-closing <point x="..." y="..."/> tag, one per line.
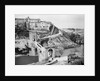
<point x="60" y="21"/>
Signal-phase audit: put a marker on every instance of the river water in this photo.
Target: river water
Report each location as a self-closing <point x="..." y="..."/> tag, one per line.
<point x="23" y="60"/>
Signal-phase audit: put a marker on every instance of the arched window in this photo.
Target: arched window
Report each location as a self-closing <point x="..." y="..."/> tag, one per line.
<point x="50" y="52"/>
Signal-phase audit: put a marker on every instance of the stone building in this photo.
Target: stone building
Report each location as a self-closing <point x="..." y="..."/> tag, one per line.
<point x="33" y="23"/>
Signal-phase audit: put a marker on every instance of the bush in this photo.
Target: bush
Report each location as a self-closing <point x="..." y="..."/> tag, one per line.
<point x="78" y="62"/>
<point x="73" y="59"/>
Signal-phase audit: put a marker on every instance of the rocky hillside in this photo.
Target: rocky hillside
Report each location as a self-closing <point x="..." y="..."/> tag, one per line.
<point x="66" y="39"/>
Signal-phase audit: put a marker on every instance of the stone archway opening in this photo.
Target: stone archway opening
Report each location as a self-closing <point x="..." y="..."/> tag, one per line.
<point x="51" y="53"/>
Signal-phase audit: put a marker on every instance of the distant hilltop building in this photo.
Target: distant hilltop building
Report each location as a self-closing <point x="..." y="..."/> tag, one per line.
<point x="33" y="23"/>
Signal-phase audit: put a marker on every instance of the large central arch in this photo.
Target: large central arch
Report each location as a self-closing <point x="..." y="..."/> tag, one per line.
<point x="51" y="52"/>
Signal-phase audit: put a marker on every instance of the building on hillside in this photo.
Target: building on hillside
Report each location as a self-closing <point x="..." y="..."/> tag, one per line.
<point x="33" y="23"/>
<point x="45" y="25"/>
